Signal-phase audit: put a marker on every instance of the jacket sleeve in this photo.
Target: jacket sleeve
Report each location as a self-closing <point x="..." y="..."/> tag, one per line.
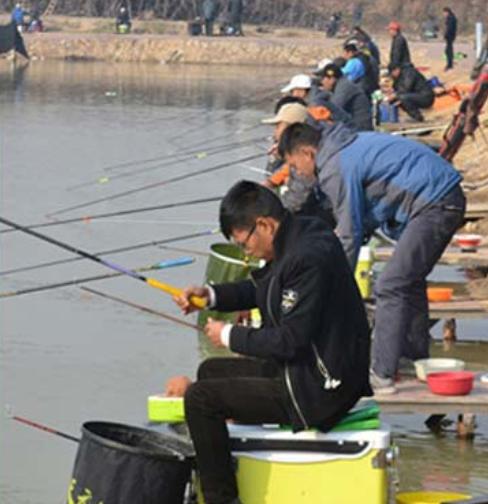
<point x="235" y="296"/>
<point x="349" y="213"/>
<point x="301" y="312"/>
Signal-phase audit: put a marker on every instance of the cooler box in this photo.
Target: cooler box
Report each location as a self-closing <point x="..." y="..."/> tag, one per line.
<point x="275" y="466"/>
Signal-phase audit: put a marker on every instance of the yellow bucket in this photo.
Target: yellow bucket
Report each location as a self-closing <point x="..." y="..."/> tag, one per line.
<point x="429" y="497"/>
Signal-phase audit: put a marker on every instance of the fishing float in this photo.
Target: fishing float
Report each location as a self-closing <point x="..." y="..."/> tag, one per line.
<point x="152" y="282"/>
<point x="76" y="281"/>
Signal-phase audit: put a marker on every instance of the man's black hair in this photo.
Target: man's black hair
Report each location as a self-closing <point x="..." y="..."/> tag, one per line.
<point x="352" y="48"/>
<point x="297" y="135"/>
<point x="244" y="203"/>
<point x="285" y="100"/>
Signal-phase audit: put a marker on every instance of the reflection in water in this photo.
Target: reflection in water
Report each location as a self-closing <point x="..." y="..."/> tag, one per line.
<point x="203" y="87"/>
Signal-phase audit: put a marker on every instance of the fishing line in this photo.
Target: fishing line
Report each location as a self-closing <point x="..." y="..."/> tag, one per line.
<point x="128" y="248"/>
<point x="89" y="218"/>
<point x="168" y="181"/>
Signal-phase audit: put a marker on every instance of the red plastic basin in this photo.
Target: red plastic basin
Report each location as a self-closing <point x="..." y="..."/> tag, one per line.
<point x="451" y="383"/>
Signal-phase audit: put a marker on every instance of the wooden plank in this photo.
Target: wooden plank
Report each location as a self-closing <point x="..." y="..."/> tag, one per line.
<point x="414" y="396"/>
<point x="476" y="211"/>
<point x="451" y="256"/>
<point x="458" y="308"/>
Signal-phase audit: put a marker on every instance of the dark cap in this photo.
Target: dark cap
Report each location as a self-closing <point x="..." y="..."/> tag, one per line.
<point x="331" y="70"/>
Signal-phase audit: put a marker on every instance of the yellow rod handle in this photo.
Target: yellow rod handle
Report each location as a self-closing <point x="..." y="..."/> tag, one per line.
<point x="174" y="291"/>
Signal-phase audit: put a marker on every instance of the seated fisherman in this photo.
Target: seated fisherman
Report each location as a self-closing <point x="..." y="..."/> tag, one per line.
<point x="374" y="180"/>
<point x="306" y="366"/>
<point x="412" y="91"/>
<point x="123" y="22"/>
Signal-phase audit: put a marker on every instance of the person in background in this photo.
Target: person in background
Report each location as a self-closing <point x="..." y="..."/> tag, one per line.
<point x="308" y="364"/>
<point x="354" y="68"/>
<point x="235" y="16"/>
<point x="122" y="22"/>
<point x="450" y="32"/>
<point x="361" y="69"/>
<point x="365" y="42"/>
<point x="399" y="51"/>
<point x="357" y="15"/>
<point x="319" y="105"/>
<point x="18" y="17"/>
<point x="412" y="91"/>
<point x="375" y="180"/>
<point x="347" y="96"/>
<point x="210" y="10"/>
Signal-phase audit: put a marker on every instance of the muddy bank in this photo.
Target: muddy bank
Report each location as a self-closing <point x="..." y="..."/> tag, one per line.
<point x="178" y="49"/>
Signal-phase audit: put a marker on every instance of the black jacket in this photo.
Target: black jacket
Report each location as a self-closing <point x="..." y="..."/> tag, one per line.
<point x="351" y="98"/>
<point x="412" y="81"/>
<point x="399" y="52"/>
<point x="450" y="28"/>
<point x="314" y="323"/>
<point x="370" y="80"/>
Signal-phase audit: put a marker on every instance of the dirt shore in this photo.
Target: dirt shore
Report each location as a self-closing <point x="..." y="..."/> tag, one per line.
<point x="166" y="42"/>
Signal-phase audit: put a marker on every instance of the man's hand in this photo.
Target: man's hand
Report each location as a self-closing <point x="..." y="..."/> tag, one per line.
<point x="183" y="300"/>
<point x="212" y="329"/>
<point x="176" y="386"/>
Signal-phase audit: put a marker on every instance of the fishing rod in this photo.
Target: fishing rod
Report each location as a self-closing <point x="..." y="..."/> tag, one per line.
<point x="44" y="428"/>
<point x="88" y="218"/>
<point x="152" y="282"/>
<point x="161" y="265"/>
<point x="128" y="248"/>
<point x="200" y="155"/>
<point x="177" y="178"/>
<point x="142" y="308"/>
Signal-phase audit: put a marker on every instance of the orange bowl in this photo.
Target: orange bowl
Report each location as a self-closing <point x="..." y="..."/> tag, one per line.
<point x="439" y="294"/>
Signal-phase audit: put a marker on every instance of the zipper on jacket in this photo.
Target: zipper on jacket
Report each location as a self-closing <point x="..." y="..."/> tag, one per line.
<point x="330" y="382"/>
<point x="287" y="372"/>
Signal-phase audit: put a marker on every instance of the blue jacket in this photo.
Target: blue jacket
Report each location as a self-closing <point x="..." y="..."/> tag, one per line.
<point x="375" y="180"/>
<point x="354" y="69"/>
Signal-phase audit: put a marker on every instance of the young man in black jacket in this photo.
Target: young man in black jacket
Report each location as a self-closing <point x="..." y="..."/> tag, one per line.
<point x="309" y="362"/>
<point x="399" y="51"/>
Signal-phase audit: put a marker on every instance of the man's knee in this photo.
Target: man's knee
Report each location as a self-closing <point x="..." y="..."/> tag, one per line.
<point x="196" y="397"/>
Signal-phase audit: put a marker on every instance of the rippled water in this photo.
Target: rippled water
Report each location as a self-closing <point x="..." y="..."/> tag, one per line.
<point x="67" y="356"/>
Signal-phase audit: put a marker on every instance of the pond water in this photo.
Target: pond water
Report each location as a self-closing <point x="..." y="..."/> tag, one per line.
<point x="75" y="133"/>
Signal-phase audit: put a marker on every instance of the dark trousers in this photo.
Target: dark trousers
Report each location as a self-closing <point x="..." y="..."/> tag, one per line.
<point x="449" y="52"/>
<point x="402" y="311"/>
<point x="209" y="27"/>
<point x="412" y="102"/>
<point x="243" y="389"/>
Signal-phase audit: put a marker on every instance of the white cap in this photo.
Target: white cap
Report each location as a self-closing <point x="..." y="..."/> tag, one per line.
<point x="322" y="64"/>
<point x="300" y="81"/>
<point x="290" y="113"/>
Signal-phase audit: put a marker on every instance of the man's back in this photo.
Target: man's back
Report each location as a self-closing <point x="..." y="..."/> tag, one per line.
<point x="351" y="98"/>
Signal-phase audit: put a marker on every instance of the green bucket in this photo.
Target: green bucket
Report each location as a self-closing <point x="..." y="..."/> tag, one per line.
<point x="226" y="263"/>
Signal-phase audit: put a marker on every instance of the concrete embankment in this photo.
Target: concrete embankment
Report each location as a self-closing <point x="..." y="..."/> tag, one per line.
<point x="179" y="49"/>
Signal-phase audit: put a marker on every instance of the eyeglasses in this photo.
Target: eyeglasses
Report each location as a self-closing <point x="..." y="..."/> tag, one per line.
<point x="242" y="244"/>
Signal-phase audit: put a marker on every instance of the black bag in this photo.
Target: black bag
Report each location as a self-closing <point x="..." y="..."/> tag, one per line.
<point x="120" y="464"/>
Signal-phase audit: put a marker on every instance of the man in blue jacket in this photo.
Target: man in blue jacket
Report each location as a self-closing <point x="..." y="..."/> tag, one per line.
<point x="374" y="180"/>
<point x="309" y="362"/>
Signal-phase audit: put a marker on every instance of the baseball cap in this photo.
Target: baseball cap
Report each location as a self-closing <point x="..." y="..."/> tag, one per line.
<point x="331" y="70"/>
<point x="290" y="113"/>
<point x="300" y="81"/>
<point x="394" y="25"/>
<point x="321" y="65"/>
